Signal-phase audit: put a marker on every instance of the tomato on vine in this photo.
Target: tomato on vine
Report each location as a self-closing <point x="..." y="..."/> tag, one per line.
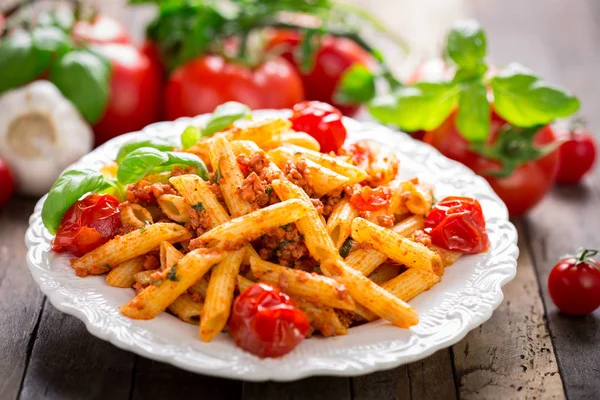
<point x="574" y="283"/>
<point x="576" y="156"/>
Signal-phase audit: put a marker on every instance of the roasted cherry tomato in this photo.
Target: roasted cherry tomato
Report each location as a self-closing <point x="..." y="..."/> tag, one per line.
<point x="522" y="189"/>
<point x="576" y="157"/>
<point x="100" y="30"/>
<point x="87" y="224"/>
<point x="7" y="183"/>
<point x="334" y="56"/>
<point x="202" y="84"/>
<point x="321" y="121"/>
<point x="368" y="199"/>
<point x="265" y="322"/>
<point x="457" y="223"/>
<point x="135" y="92"/>
<point x="574" y="283"/>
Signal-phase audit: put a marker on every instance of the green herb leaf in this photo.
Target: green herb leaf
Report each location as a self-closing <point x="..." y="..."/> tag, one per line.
<point x="225" y="115"/>
<point x="192" y="160"/>
<point x="346" y="247"/>
<point x="83" y="76"/>
<point x="198" y="207"/>
<point x="473" y="119"/>
<point x="422" y="106"/>
<point x="218" y="175"/>
<point x="20" y="61"/>
<point x="357" y="85"/>
<point x="139" y="163"/>
<point x="172" y="274"/>
<point x="523" y="99"/>
<point x="466" y="44"/>
<point x="133" y="144"/>
<point x="190" y="136"/>
<point x="67" y="189"/>
<point x="51" y="40"/>
<point x="305" y="54"/>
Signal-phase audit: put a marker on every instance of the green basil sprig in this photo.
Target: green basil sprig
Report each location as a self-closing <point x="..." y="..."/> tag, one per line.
<point x="225" y="115"/>
<point x="190" y="136"/>
<point x="67" y="189"/>
<point x="133" y="144"/>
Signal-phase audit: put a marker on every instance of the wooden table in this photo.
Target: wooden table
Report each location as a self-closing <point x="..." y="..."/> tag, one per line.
<point x="526" y="350"/>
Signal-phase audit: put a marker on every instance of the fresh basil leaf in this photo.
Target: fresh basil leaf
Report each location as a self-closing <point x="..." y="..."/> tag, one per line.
<point x="190" y="136"/>
<point x="20" y="61"/>
<point x="473" y="119"/>
<point x="83" y="76"/>
<point x="225" y="115"/>
<point x="524" y="99"/>
<point x="51" y="40"/>
<point x="67" y="189"/>
<point x="136" y="143"/>
<point x="192" y="160"/>
<point x="357" y="85"/>
<point x="139" y="163"/>
<point x="466" y="44"/>
<point x="423" y="106"/>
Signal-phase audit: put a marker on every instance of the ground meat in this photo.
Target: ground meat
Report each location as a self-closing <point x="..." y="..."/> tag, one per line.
<point x="254" y="191"/>
<point x="349" y="319"/>
<point x="146" y="193"/>
<point x="295" y="172"/>
<point x="151" y="261"/>
<point x="318" y="205"/>
<point x="179" y="170"/>
<point x="330" y="200"/>
<point x="226" y="245"/>
<point x="199" y="221"/>
<point x="422" y="237"/>
<point x="217" y="192"/>
<point x="385" y="220"/>
<point x="283" y="244"/>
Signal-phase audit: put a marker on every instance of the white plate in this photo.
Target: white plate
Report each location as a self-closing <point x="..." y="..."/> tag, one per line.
<point x="470" y="290"/>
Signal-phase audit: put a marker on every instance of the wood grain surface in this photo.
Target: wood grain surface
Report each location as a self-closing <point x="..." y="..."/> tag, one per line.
<point x="526" y="350"/>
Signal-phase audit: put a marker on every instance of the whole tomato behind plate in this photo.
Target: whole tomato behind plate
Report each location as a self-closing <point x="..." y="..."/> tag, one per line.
<point x="202" y="84"/>
<point x="576" y="156"/>
<point x="7" y="183"/>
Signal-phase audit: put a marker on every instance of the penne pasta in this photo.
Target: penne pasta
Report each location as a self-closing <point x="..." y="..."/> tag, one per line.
<point x="300" y="139"/>
<point x="315" y="288"/>
<point x="322" y="319"/>
<point x="145" y="277"/>
<point x="397" y="247"/>
<point x="339" y="224"/>
<point x="169" y="255"/>
<point x="134" y="215"/>
<point x="410" y="197"/>
<point x="384" y="273"/>
<point x="175" y="207"/>
<point x="449" y="257"/>
<point x="128" y="246"/>
<point x="186" y="309"/>
<point x="243" y="283"/>
<point x="251" y="226"/>
<point x="410" y="283"/>
<point x="159" y="295"/>
<point x="199" y="196"/>
<point x="123" y="275"/>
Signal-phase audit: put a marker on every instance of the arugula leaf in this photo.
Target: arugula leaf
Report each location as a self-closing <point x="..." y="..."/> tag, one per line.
<point x="131" y="145"/>
<point x="20" y="61"/>
<point x="139" y="163"/>
<point x="83" y="76"/>
<point x="473" y="119"/>
<point x="190" y="136"/>
<point x="524" y="99"/>
<point x="225" y="115"/>
<point x="466" y="44"/>
<point x="357" y="85"/>
<point x="422" y="106"/>
<point x="67" y="189"/>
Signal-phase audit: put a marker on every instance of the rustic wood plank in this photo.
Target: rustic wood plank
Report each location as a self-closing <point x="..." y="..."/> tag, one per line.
<point x="510" y="356"/>
<point x="20" y="298"/>
<point x="156" y="380"/>
<point x="391" y="384"/>
<point x="69" y="363"/>
<point x="325" y="388"/>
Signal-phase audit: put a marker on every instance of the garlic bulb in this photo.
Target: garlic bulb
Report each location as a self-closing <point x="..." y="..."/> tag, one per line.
<point x="41" y="133"/>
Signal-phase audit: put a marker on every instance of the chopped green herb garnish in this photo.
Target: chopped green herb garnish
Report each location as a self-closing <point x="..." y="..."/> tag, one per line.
<point x="269" y="190"/>
<point x="172" y="274"/>
<point x="156" y="282"/>
<point x="281" y="245"/>
<point x="108" y="266"/>
<point x="218" y="174"/>
<point x="198" y="206"/>
<point x="346" y="247"/>
<point x="143" y="229"/>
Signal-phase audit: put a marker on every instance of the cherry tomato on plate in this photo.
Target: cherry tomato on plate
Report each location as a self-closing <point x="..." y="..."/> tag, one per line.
<point x="87" y="224"/>
<point x="574" y="283"/>
<point x="135" y="91"/>
<point x="368" y="199"/>
<point x="100" y="30"/>
<point x="202" y="84"/>
<point x="576" y="157"/>
<point x="321" y="121"/>
<point x="265" y="322"/>
<point x="7" y="183"/>
<point x="457" y="223"/>
<point x="524" y="187"/>
<point x="334" y="56"/>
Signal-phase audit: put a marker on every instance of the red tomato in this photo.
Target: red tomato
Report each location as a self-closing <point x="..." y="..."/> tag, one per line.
<point x="7" y="183"/>
<point x="574" y="284"/>
<point x="265" y="322"/>
<point x="520" y="191"/>
<point x="321" y="121"/>
<point x="368" y="199"/>
<point x="87" y="224"/>
<point x="331" y="60"/>
<point x="457" y="223"/>
<point x="100" y="30"/>
<point x="202" y="84"/>
<point x="576" y="157"/>
<point x="135" y="92"/>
